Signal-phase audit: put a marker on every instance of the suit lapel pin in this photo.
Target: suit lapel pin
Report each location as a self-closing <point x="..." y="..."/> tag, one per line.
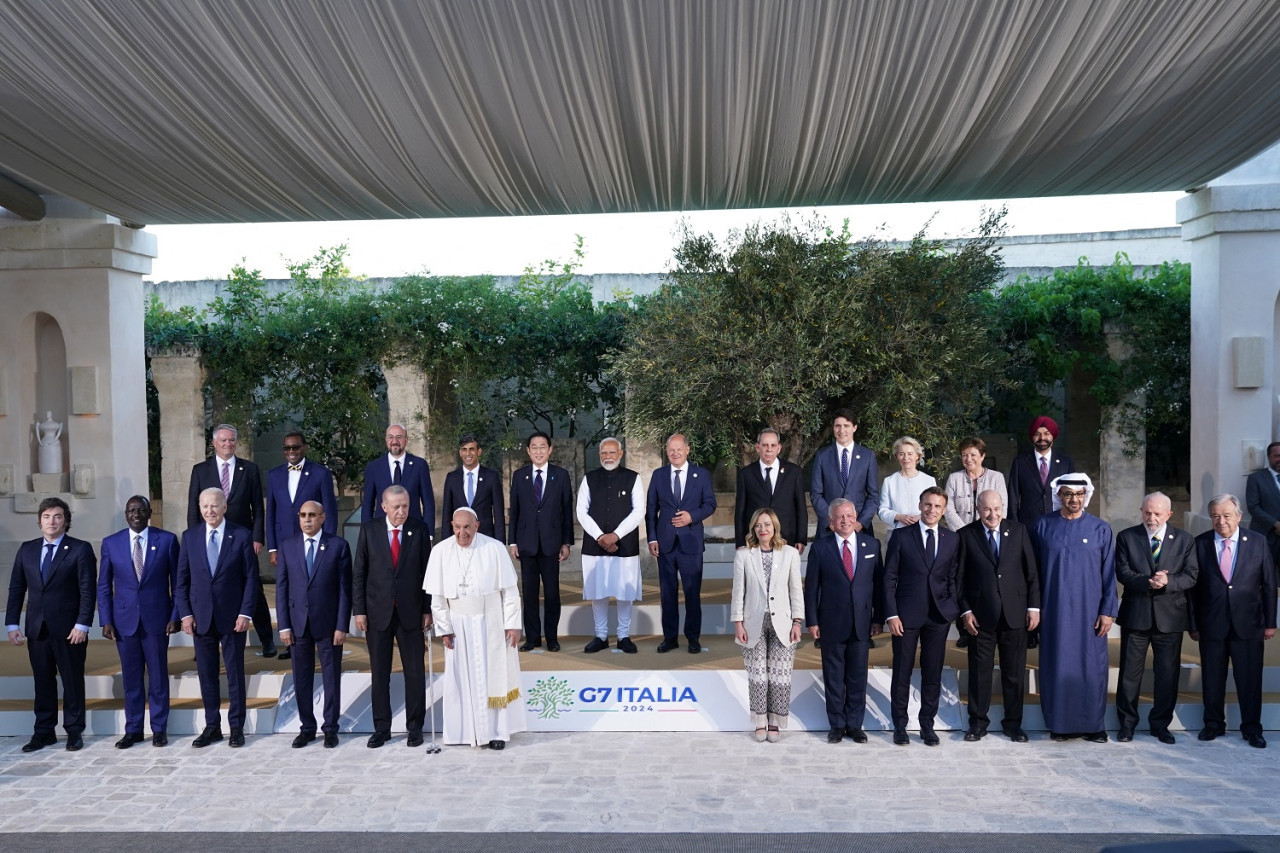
<point x="408" y="533"/>
<point x="694" y="475"/>
<point x="321" y="547"/>
<point x="781" y="471"/>
<point x="622" y="493"/>
<point x="479" y="479"/>
<point x="410" y="462"/>
<point x="1086" y="541"/>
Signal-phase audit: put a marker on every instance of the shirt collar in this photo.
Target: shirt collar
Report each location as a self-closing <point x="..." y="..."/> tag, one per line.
<point x="221" y="528"/>
<point x="1160" y="534"/>
<point x="390" y="526"/>
<point x="848" y="446"/>
<point x="55" y="543"/>
<point x="475" y="470"/>
<point x="394" y="459"/>
<point x="764" y="466"/>
<point x="1217" y="539"/>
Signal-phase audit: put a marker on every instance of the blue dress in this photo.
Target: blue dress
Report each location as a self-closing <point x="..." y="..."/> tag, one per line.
<point x="1077" y="585"/>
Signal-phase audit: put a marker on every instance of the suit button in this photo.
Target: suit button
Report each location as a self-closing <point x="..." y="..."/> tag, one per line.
<point x="771" y="598"/>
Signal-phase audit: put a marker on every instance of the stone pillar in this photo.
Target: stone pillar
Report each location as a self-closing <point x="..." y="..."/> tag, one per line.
<point x="72" y="329"/>
<point x="1232" y="231"/>
<point x="1121" y="475"/>
<point x="645" y="457"/>
<point x="179" y="380"/>
<point x="407" y="403"/>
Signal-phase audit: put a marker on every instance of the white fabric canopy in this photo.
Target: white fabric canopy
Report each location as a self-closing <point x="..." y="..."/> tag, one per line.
<point x="255" y="110"/>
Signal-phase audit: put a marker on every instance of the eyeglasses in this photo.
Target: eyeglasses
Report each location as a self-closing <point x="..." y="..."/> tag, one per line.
<point x="308" y="515"/>
<point x="293" y="447"/>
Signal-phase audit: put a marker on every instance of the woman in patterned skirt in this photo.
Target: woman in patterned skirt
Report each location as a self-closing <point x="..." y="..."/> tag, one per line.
<point x="767" y="612"/>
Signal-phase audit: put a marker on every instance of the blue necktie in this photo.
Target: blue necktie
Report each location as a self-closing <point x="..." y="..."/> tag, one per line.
<point x="311" y="557"/>
<point x="537" y="487"/>
<point x="675" y="490"/>
<point x="471" y="488"/>
<point x="995" y="544"/>
<point x="395" y="474"/>
<point x="212" y="554"/>
<point x="47" y="561"/>
<point x="844" y="466"/>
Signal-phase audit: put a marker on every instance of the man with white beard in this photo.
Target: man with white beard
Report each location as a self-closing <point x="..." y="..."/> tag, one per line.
<point x="610" y="509"/>
<point x="476" y="605"/>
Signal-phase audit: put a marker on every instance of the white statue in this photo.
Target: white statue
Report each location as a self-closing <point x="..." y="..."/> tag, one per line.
<point x="49" y="437"/>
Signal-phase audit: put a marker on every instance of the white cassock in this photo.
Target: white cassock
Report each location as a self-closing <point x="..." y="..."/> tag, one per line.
<point x="475" y="598"/>
<point x="607" y="576"/>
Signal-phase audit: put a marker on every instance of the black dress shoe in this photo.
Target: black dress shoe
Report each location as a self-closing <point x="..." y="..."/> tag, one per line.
<point x="553" y="646"/>
<point x="414" y="739"/>
<point x="1015" y="734"/>
<point x="377" y="739"/>
<point x="900" y="737"/>
<point x="975" y="734"/>
<point x="330" y="740"/>
<point x="211" y="734"/>
<point x="626" y="645"/>
<point x="497" y="744"/>
<point x="1164" y="736"/>
<point x="1096" y="737"/>
<point x="1059" y="737"/>
<point x="1255" y="741"/>
<point x="1125" y="734"/>
<point x="303" y="739"/>
<point x="129" y="740"/>
<point x="268" y="651"/>
<point x="286" y="654"/>
<point x="39" y="742"/>
<point x="835" y="736"/>
<point x="930" y="737"/>
<point x="237" y="738"/>
<point x="667" y="645"/>
<point x="75" y="743"/>
<point x="962" y="642"/>
<point x="598" y="644"/>
<point x="530" y="645"/>
<point x="1033" y="639"/>
<point x="694" y="647"/>
<point x="858" y="735"/>
<point x="1210" y="734"/>
<point x="159" y="739"/>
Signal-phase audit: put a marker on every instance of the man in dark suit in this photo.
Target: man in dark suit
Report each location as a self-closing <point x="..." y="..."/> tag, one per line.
<point x="680" y="498"/>
<point x="1030" y="474"/>
<point x="241" y="484"/>
<point x="1262" y="497"/>
<point x="313" y="606"/>
<point x="136" y="580"/>
<point x="773" y="483"/>
<point x="999" y="600"/>
<point x="1233" y="611"/>
<point x="291" y="485"/>
<point x="55" y="576"/>
<point x="845" y="470"/>
<point x="920" y="569"/>
<point x="213" y="604"/>
<point x="541" y="532"/>
<point x="1156" y="565"/>
<point x="399" y="468"/>
<point x="391" y="607"/>
<point x="474" y="485"/>
<point x="843" y="594"/>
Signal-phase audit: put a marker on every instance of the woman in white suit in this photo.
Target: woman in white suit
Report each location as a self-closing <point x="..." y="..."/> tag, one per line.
<point x="767" y="612"/>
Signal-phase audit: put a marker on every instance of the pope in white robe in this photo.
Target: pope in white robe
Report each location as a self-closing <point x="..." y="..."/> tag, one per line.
<point x="475" y="602"/>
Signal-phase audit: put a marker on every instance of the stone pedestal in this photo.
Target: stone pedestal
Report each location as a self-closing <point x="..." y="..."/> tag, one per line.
<point x="179" y="381"/>
<point x="1232" y="232"/>
<point x="71" y="287"/>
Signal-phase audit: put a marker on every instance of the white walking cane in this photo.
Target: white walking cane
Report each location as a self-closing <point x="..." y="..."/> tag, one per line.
<point x="431" y="679"/>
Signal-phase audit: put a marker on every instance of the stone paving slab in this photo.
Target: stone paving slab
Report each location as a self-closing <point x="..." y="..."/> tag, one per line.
<point x="647" y="782"/>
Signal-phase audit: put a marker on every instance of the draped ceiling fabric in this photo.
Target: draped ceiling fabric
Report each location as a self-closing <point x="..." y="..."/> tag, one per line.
<point x="261" y="110"/>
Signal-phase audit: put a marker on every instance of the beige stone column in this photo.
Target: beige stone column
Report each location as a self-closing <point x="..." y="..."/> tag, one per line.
<point x="179" y="380"/>
<point x="1121" y="475"/>
<point x="645" y="457"/>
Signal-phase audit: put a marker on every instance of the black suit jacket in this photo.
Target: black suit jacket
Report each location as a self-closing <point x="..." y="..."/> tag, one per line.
<point x="488" y="502"/>
<point x="993" y="589"/>
<point x="786" y="500"/>
<point x="1028" y="498"/>
<point x="541" y="528"/>
<point x="244" y="504"/>
<point x="377" y="587"/>
<point x="844" y="610"/>
<point x="1165" y="610"/>
<point x="1242" y="608"/>
<point x="216" y="602"/>
<point x="910" y="583"/>
<point x="62" y="600"/>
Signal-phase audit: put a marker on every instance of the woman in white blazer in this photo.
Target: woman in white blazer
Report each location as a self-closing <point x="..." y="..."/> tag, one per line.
<point x="767" y="612"/>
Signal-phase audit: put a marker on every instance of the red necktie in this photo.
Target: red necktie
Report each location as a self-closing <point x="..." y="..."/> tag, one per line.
<point x="847" y="556"/>
<point x="395" y="547"/>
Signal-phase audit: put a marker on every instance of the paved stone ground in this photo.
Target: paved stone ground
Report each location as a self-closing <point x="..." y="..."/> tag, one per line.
<point x="651" y="782"/>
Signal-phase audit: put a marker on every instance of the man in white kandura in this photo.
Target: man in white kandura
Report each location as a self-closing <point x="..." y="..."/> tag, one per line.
<point x="476" y="604"/>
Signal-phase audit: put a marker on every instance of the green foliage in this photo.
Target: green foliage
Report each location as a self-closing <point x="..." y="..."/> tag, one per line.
<point x="1054" y="326"/>
<point x="783" y="324"/>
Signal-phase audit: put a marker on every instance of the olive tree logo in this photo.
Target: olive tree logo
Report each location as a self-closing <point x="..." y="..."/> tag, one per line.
<point x="552" y="695"/>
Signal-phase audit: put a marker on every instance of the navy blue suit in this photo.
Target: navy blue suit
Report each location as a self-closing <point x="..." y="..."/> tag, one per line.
<point x="314" y="484"/>
<point x="862" y="485"/>
<point x="55" y="605"/>
<point x="1028" y="497"/>
<point x="921" y="592"/>
<point x="488" y="503"/>
<point x="415" y="476"/>
<point x="538" y="530"/>
<point x="313" y="606"/>
<point x="140" y="612"/>
<point x="215" y="602"/>
<point x="1230" y="618"/>
<point x="844" y="611"/>
<point x="679" y="548"/>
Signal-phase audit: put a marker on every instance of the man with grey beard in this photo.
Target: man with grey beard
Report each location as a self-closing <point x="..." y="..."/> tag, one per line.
<point x="610" y="508"/>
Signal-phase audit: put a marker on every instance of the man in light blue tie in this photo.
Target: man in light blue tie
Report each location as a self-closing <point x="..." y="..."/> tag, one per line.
<point x="478" y="487"/>
<point x="1262" y="497"/>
